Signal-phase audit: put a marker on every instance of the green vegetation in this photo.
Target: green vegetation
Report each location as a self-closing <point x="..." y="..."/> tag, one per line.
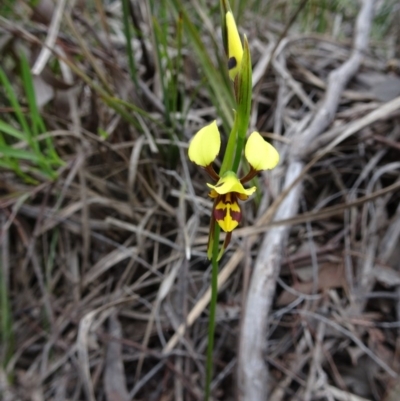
<point x="25" y="148"/>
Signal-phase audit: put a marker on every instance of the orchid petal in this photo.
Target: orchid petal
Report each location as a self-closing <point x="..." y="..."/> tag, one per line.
<point x="260" y="154"/>
<point x="235" y="49"/>
<point x="229" y="182"/>
<point x="205" y="145"/>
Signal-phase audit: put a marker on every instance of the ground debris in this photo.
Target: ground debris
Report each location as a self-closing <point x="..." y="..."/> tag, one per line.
<point x="104" y="276"/>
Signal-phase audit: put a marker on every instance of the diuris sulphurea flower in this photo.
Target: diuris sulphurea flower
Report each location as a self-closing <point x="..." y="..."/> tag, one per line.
<point x="229" y="189"/>
<point x="235" y="48"/>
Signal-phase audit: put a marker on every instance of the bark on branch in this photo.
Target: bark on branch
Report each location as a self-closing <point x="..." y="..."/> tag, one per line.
<point x="253" y="373"/>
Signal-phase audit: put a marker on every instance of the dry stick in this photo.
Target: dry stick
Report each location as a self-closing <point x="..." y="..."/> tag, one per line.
<point x="82" y="341"/>
<point x="76" y="128"/>
<point x="223" y="276"/>
<point x="114" y="373"/>
<point x="355" y="339"/>
<point x="314" y="382"/>
<point x="253" y="374"/>
<point x="46" y="51"/>
<point x="264" y="223"/>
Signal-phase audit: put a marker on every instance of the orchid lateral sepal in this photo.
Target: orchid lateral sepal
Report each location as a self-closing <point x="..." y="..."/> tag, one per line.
<point x="211" y="236"/>
<point x="227" y="240"/>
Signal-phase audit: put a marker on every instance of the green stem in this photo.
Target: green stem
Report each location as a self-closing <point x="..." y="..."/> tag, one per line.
<point x="230" y="148"/>
<point x="231" y="161"/>
<point x="213" y="305"/>
<point x="239" y="152"/>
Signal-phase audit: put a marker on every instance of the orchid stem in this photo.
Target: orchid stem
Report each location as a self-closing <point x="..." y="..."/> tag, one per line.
<point x="230" y="162"/>
<point x="230" y="148"/>
<point x="239" y="152"/>
<point x="213" y="305"/>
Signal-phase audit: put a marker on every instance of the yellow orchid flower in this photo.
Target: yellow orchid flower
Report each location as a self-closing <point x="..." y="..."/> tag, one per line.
<point x="205" y="145"/>
<point x="235" y="48"/>
<point x="230" y="183"/>
<point x="226" y="193"/>
<point x="203" y="150"/>
<point x="260" y="154"/>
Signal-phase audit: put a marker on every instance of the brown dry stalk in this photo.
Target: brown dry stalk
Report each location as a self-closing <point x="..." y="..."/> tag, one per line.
<point x="253" y="372"/>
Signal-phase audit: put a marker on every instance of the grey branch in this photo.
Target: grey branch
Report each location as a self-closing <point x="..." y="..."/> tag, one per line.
<point x="253" y="373"/>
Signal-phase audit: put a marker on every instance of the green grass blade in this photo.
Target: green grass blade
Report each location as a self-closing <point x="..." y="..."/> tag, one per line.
<point x="128" y="37"/>
<point x="14" y="102"/>
<point x="159" y="44"/>
<point x="37" y="123"/>
<point x="178" y="66"/>
<point x="30" y="96"/>
<point x="8" y="129"/>
<point x="27" y="131"/>
<point x="220" y="92"/>
<point x="19" y="154"/>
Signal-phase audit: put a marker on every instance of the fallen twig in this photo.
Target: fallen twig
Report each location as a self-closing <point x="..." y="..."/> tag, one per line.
<point x="253" y="373"/>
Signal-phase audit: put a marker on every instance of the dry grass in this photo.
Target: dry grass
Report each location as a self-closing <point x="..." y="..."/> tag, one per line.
<point x="104" y="265"/>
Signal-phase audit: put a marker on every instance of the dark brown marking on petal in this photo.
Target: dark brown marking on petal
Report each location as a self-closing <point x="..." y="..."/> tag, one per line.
<point x="232" y="63"/>
<point x="228" y="198"/>
<point x="219" y="214"/>
<point x="237" y="216"/>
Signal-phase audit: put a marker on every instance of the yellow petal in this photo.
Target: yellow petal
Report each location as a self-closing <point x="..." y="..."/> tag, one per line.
<point x="235" y="49"/>
<point x="230" y="183"/>
<point x="260" y="154"/>
<point x="227" y="213"/>
<point x="205" y="145"/>
<point x="213" y="194"/>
